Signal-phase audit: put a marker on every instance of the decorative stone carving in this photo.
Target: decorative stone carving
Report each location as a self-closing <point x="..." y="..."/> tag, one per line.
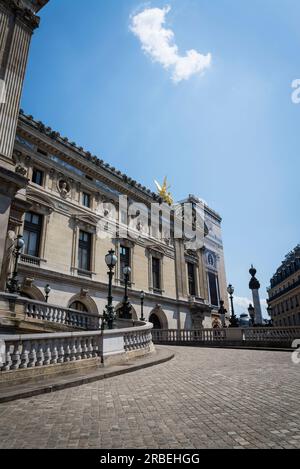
<point x="64" y="188"/>
<point x="9" y="259"/>
<point x="21" y="170"/>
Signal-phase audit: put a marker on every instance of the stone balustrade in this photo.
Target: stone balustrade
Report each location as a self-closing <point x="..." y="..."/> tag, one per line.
<point x="21" y="352"/>
<point x="16" y="310"/>
<point x="184" y="335"/>
<point x="277" y="336"/>
<point x="137" y="340"/>
<point x="29" y="351"/>
<point x="60" y="315"/>
<point x="272" y="334"/>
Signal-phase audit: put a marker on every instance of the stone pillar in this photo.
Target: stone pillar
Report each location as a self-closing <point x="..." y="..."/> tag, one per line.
<point x="180" y="270"/>
<point x="17" y="22"/>
<point x="254" y="285"/>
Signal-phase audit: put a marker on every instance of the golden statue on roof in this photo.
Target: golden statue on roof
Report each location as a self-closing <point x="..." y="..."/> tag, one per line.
<point x="163" y="191"/>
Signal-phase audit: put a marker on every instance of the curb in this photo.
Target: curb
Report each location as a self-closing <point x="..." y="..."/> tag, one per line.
<point x="75" y="382"/>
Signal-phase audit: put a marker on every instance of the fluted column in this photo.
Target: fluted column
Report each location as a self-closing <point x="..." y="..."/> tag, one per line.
<point x="17" y="22"/>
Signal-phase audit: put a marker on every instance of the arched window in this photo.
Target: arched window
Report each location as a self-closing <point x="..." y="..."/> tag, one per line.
<point x="78" y="306"/>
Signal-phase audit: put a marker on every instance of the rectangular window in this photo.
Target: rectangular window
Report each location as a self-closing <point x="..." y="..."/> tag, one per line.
<point x="32" y="234"/>
<point x="191" y="278"/>
<point x="86" y="200"/>
<point x="124" y="260"/>
<point x="213" y="289"/>
<point x="84" y="251"/>
<point x="156" y="273"/>
<point x="37" y="176"/>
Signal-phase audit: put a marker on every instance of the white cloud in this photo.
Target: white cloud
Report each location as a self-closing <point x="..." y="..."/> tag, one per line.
<point x="241" y="305"/>
<point x="158" y="43"/>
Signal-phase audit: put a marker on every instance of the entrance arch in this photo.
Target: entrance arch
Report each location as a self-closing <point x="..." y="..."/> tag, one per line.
<point x="158" y="318"/>
<point x="155" y="321"/>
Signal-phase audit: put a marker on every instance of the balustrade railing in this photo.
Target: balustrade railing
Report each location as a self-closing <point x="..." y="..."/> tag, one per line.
<point x="271" y="334"/>
<point x="274" y="335"/>
<point x="137" y="340"/>
<point x="19" y="352"/>
<point x="60" y="315"/>
<point x="185" y="335"/>
<point x="31" y="351"/>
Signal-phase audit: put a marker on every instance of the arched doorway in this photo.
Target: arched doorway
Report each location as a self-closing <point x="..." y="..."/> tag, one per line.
<point x="155" y="321"/>
<point x="158" y="318"/>
<point x="78" y="306"/>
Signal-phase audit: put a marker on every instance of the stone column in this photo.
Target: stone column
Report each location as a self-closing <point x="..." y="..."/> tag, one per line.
<point x="17" y="22"/>
<point x="254" y="285"/>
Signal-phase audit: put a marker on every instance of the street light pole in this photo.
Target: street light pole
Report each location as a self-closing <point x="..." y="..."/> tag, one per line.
<point x="230" y="290"/>
<point x="142" y="296"/>
<point x="126" y="309"/>
<point x="108" y="315"/>
<point x="233" y="320"/>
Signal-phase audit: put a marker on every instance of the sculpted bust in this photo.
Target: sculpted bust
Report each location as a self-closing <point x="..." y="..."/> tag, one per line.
<point x="64" y="189"/>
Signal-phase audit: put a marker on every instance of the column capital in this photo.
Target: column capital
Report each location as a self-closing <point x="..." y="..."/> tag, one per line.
<point x="25" y="10"/>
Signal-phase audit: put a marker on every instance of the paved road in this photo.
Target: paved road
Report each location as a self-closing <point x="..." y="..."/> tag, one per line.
<point x="204" y="398"/>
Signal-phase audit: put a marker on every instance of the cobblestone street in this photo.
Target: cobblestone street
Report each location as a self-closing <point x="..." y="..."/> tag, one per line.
<point x="203" y="398"/>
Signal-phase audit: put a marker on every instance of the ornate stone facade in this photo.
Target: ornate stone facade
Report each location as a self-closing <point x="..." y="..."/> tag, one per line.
<point x="66" y="196"/>
<point x="284" y="292"/>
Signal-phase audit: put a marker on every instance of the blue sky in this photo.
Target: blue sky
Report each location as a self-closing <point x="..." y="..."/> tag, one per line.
<point x="229" y="135"/>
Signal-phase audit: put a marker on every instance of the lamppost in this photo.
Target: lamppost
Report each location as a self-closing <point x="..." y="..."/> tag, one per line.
<point x="251" y="311"/>
<point x="47" y="291"/>
<point x="109" y="315"/>
<point x="222" y="312"/>
<point x="127" y="307"/>
<point x="230" y="291"/>
<point x="233" y="320"/>
<point x="142" y="297"/>
<point x="13" y="285"/>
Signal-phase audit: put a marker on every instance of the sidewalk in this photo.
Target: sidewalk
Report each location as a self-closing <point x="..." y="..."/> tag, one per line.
<point x="7" y="393"/>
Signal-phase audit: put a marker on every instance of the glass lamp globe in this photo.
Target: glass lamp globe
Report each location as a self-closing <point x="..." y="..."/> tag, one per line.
<point x="127" y="270"/>
<point x="230" y="290"/>
<point x="20" y="243"/>
<point x="111" y="259"/>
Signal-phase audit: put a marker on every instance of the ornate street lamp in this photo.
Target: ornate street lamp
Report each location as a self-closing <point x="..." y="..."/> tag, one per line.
<point x="230" y="291"/>
<point x="222" y="312"/>
<point x="13" y="285"/>
<point x="142" y="297"/>
<point x="127" y="307"/>
<point x="109" y="314"/>
<point x="233" y="320"/>
<point x="251" y="311"/>
<point x="47" y="291"/>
